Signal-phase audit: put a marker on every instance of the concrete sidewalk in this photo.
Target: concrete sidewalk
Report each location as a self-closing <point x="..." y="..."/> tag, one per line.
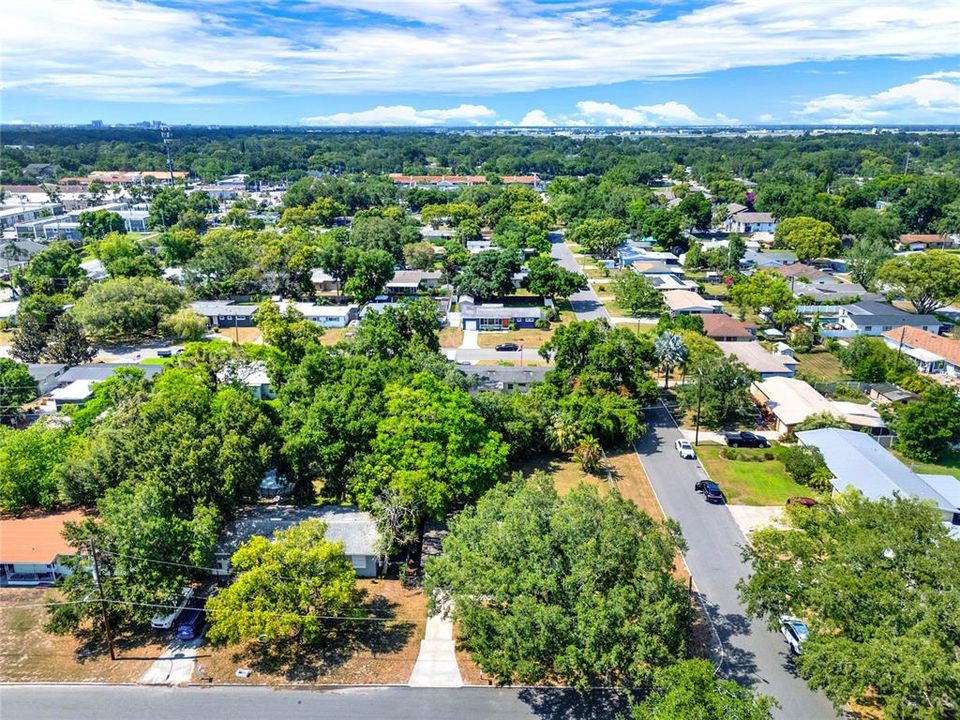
<point x="437" y="662"/>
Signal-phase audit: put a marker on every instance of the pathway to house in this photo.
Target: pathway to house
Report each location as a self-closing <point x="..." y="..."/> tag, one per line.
<point x="175" y="666"/>
<point x="437" y="662"/>
<point x="471" y="340"/>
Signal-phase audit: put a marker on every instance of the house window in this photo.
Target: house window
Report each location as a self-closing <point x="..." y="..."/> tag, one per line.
<point x="359" y="562"/>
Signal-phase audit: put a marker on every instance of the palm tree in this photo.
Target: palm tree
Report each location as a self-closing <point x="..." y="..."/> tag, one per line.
<point x="671" y="353"/>
<point x="588" y="453"/>
<point x="562" y="435"/>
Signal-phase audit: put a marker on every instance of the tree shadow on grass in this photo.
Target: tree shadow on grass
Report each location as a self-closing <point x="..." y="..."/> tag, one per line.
<point x="297" y="662"/>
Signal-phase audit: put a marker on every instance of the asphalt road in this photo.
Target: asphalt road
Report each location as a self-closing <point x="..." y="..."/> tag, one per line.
<point x="585" y="303"/>
<point x="105" y="702"/>
<point x="752" y="654"/>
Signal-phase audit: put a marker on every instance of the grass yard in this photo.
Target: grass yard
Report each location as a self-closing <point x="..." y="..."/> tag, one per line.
<point x="6" y="338"/>
<point x="243" y="335"/>
<point x="451" y="337"/>
<point x="949" y="465"/>
<point x="371" y="653"/>
<point x="566" y="473"/>
<point x="566" y="311"/>
<point x="750" y="483"/>
<point x="331" y="336"/>
<point x="530" y="338"/>
<point x="28" y="654"/>
<point x="821" y="366"/>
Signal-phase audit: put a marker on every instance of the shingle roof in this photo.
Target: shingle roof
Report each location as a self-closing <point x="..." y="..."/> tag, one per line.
<point x="947" y="348"/>
<point x="721" y="325"/>
<point x="757" y="358"/>
<point x="686" y="300"/>
<point x="355" y="529"/>
<point x="36" y="539"/>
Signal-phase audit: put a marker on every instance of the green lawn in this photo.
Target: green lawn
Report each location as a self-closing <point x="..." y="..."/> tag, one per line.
<point x="949" y="465"/>
<point x="750" y="483"/>
<point x="821" y="366"/>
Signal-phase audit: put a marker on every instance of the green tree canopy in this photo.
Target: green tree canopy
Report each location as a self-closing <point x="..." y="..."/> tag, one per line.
<point x="127" y="307"/>
<point x="691" y="690"/>
<point x="577" y="589"/>
<point x="721" y="386"/>
<point x="17" y="386"/>
<point x="876" y="582"/>
<point x="488" y="274"/>
<point x="764" y="288"/>
<point x="926" y="428"/>
<point x="636" y="294"/>
<point x="549" y="279"/>
<point x="96" y="224"/>
<point x="599" y="237"/>
<point x="29" y="461"/>
<point x="808" y="238"/>
<point x="929" y="280"/>
<point x="285" y="590"/>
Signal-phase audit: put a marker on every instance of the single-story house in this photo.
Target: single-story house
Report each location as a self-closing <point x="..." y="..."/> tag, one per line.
<point x="723" y="328"/>
<point x="932" y="353"/>
<point x="328" y="316"/>
<point x="875" y="318"/>
<point x="47" y="375"/>
<point x="251" y="375"/>
<point x="670" y="281"/>
<point x="687" y="302"/>
<point x="767" y="259"/>
<point x="792" y="401"/>
<point x="74" y="386"/>
<point x="33" y="549"/>
<point x="8" y="310"/>
<point x="323" y="282"/>
<point x="225" y="313"/>
<point x="496" y="316"/>
<point x="757" y="358"/>
<point x="856" y="460"/>
<point x="746" y="221"/>
<point x="890" y="394"/>
<point x="925" y="242"/>
<point x="505" y="379"/>
<point x="802" y="273"/>
<point x="410" y="282"/>
<point x="633" y="251"/>
<point x="355" y="529"/>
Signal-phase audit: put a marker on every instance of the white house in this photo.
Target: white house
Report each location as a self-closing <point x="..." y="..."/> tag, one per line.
<point x="931" y="353"/>
<point x="875" y="318"/>
<point x="687" y="302"/>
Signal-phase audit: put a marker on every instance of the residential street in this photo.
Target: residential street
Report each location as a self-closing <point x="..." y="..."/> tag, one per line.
<point x="752" y="654"/>
<point x="106" y="702"/>
<point x="585" y="303"/>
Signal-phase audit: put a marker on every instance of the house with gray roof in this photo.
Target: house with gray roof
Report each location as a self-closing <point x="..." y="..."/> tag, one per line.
<point x="505" y="379"/>
<point x="410" y="282"/>
<point x="870" y="317"/>
<point x="497" y="316"/>
<point x="355" y="529"/>
<point x="856" y="460"/>
<point x="225" y="313"/>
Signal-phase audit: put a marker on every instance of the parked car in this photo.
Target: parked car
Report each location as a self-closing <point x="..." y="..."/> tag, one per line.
<point x="685" y="449"/>
<point x="507" y="347"/>
<point x="711" y="491"/>
<point x="165" y="618"/>
<point x="193" y="619"/>
<point x="745" y="439"/>
<point x="805" y="501"/>
<point x="795" y="631"/>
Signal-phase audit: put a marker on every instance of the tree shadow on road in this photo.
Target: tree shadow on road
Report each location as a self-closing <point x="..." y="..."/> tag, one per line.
<point x="567" y="704"/>
<point x="738" y="664"/>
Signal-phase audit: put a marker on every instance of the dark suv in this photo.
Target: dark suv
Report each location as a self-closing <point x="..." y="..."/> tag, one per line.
<point x="711" y="491"/>
<point x="745" y="439"/>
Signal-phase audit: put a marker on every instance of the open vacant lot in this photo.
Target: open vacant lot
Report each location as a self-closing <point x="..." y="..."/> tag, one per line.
<point x="451" y="337"/>
<point x="29" y="654"/>
<point x="530" y="338"/>
<point x="745" y="482"/>
<point x="363" y="652"/>
<point x="821" y="367"/>
<point x="242" y="335"/>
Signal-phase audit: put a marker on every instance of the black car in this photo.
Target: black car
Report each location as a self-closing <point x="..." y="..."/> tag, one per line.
<point x="507" y="347"/>
<point x="711" y="491"/>
<point x="745" y="439"/>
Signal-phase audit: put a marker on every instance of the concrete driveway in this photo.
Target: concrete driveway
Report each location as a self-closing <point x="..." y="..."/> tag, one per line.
<point x="751" y="654"/>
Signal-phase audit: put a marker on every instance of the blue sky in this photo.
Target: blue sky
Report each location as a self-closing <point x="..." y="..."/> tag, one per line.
<point x="483" y="62"/>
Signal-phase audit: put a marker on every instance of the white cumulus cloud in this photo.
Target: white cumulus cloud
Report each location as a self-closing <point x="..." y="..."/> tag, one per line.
<point x="667" y="113"/>
<point x="923" y="100"/>
<point x="406" y="115"/>
<point x="537" y="118"/>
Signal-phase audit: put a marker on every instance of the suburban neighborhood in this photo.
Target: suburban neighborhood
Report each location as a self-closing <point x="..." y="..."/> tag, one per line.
<point x="601" y="412"/>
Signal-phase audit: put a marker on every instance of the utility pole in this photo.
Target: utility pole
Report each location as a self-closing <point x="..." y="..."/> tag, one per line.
<point x="896" y="368"/>
<point x="696" y="437"/>
<point x="103" y="599"/>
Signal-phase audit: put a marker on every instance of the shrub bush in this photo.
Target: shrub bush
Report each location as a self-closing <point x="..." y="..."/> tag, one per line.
<point x="806" y="466"/>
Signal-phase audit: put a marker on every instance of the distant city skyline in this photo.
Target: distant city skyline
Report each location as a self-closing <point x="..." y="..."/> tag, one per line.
<point x="392" y="63"/>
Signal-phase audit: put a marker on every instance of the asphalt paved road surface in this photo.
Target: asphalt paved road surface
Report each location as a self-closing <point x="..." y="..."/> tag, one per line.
<point x="585" y="303"/>
<point x="105" y="702"/>
<point x="752" y="654"/>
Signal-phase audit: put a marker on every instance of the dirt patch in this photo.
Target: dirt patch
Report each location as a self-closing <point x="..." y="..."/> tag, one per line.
<point x="530" y="338"/>
<point x="242" y="335"/>
<point x="28" y="654"/>
<point x="370" y="653"/>
<point x="632" y="481"/>
<point x="566" y="473"/>
<point x="331" y="336"/>
<point x="451" y="337"/>
<point x="470" y="672"/>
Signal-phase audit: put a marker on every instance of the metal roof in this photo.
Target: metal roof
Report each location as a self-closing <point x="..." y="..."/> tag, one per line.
<point x="857" y="460"/>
